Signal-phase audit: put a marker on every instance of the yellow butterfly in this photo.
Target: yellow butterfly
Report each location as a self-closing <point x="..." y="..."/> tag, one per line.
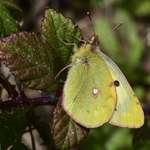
<point x="97" y="92"/>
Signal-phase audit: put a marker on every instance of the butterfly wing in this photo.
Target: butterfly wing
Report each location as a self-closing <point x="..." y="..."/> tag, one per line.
<point x="89" y="95"/>
<point x="128" y="112"/>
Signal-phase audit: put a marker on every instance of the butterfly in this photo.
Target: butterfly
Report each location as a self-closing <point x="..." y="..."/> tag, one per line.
<point x="97" y="92"/>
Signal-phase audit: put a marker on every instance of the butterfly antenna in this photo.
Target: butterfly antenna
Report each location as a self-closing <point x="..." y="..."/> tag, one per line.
<point x="95" y="39"/>
<point x="117" y="26"/>
<point x="86" y="38"/>
<point x="91" y="22"/>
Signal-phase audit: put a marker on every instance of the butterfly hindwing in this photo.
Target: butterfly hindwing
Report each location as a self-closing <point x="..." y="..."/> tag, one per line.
<point x="128" y="112"/>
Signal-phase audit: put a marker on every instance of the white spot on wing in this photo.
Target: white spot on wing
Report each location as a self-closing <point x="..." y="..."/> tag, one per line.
<point x="95" y="91"/>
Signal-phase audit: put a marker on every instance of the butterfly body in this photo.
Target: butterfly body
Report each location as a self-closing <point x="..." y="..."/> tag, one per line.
<point x="97" y="92"/>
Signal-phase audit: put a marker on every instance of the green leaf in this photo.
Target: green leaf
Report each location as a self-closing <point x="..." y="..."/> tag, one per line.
<point x="7" y="19"/>
<point x="14" y="124"/>
<point x="11" y="4"/>
<point x="30" y="59"/>
<point x="4" y="136"/>
<point x="66" y="133"/>
<point x="55" y="29"/>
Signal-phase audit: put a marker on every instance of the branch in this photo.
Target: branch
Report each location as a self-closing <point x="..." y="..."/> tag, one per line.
<point x="22" y="100"/>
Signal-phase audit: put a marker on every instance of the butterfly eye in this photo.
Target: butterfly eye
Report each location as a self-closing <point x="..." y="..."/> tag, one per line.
<point x="116" y="83"/>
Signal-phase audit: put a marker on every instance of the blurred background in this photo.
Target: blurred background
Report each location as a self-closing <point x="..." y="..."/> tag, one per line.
<point x="128" y="46"/>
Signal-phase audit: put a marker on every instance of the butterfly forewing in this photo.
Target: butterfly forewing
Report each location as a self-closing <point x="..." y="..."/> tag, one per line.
<point x="89" y="95"/>
<point x="128" y="112"/>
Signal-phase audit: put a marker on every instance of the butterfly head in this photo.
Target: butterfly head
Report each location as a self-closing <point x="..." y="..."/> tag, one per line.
<point x="95" y="43"/>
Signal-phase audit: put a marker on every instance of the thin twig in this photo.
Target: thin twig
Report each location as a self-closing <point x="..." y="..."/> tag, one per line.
<point x="22" y="100"/>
